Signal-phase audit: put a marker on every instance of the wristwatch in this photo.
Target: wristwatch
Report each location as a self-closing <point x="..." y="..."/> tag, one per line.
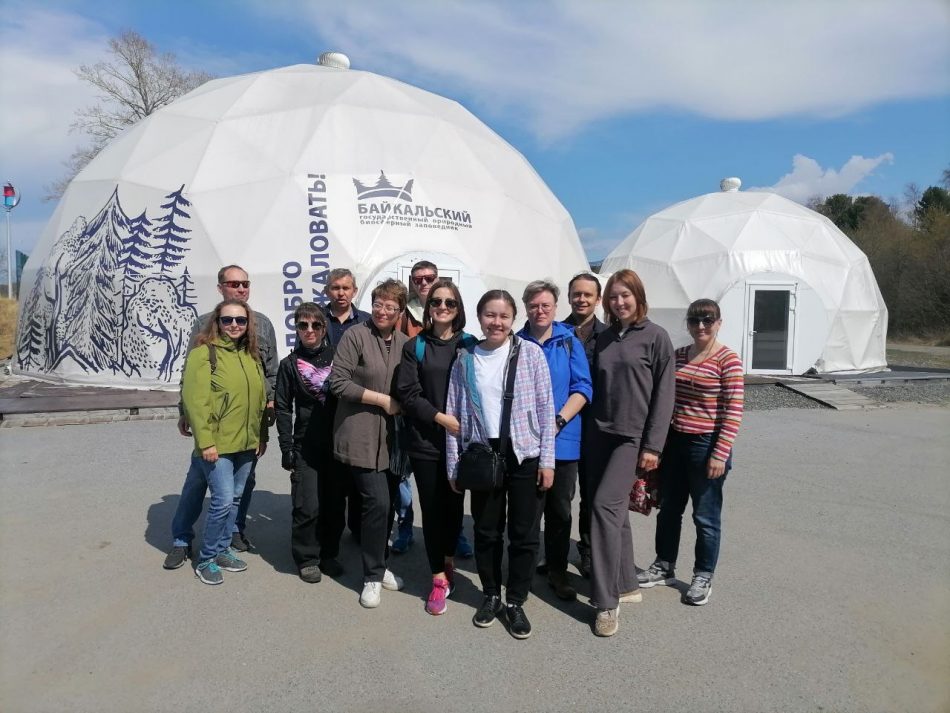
<point x="561" y="423"/>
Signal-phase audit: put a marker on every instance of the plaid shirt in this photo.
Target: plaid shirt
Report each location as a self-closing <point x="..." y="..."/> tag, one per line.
<point x="532" y="411"/>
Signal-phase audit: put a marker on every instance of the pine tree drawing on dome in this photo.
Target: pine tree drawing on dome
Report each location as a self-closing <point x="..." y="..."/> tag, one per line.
<point x="171" y="237"/>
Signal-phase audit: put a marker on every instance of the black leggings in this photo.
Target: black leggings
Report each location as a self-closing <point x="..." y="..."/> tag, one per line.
<point x="441" y="511"/>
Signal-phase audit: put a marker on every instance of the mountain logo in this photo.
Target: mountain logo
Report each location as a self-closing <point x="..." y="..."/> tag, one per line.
<point x="383" y="189"/>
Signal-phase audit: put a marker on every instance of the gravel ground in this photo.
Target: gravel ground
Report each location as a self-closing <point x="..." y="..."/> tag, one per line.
<point x="767" y="397"/>
<point x="934" y="392"/>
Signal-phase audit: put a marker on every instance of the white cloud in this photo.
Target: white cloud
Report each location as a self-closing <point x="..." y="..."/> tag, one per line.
<point x="808" y="179"/>
<point x="563" y="64"/>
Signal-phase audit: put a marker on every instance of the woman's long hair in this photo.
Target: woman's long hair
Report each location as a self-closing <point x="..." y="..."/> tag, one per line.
<point x="212" y="329"/>
<point x="630" y="280"/>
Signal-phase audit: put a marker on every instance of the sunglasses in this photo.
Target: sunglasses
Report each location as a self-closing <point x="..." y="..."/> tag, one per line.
<point x="424" y="279"/>
<point x="315" y="326"/>
<point x="234" y="284"/>
<point x="695" y="321"/>
<point x="226" y="321"/>
<point x="448" y="302"/>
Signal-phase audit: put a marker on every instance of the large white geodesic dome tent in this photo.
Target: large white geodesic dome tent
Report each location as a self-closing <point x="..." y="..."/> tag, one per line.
<point x="288" y="173"/>
<point x="796" y="294"/>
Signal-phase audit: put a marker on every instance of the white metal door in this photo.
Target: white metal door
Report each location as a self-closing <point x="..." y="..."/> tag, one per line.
<point x="770" y="328"/>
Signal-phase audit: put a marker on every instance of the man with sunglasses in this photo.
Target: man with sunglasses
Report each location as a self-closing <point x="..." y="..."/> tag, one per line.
<point x="233" y="284"/>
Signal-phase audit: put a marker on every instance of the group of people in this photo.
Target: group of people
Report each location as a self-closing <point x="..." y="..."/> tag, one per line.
<point x="364" y="400"/>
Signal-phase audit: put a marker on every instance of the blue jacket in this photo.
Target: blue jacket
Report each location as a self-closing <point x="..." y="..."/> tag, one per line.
<point x="570" y="374"/>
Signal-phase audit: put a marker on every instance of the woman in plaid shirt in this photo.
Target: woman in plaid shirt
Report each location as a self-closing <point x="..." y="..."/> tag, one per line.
<point x="476" y="390"/>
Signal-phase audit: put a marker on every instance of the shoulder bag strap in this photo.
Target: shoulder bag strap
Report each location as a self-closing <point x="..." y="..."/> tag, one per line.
<point x="508" y="399"/>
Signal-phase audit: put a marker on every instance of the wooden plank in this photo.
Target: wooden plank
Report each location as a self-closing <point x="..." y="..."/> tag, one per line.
<point x="89" y="402"/>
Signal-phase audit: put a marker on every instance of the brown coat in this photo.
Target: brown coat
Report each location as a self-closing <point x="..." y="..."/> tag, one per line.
<point x="362" y="433"/>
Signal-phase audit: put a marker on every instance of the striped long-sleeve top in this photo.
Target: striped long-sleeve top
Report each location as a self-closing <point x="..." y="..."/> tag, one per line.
<point x="709" y="397"/>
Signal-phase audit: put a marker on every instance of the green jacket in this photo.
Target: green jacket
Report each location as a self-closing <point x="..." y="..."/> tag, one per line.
<point x="224" y="408"/>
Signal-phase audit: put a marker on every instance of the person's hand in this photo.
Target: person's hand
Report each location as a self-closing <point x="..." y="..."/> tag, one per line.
<point x="270" y="414"/>
<point x="210" y="454"/>
<point x="648" y="460"/>
<point x="715" y="468"/>
<point x="545" y="478"/>
<point x="287" y="459"/>
<point x="454" y="487"/>
<point x="449" y="423"/>
<point x="391" y="406"/>
<point x="261" y="448"/>
<point x="183" y="427"/>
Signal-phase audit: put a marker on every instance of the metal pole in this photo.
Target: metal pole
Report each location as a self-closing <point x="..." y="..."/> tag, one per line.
<point x="9" y="258"/>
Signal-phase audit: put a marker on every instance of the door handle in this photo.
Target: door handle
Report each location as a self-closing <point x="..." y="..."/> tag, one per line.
<point x="752" y="333"/>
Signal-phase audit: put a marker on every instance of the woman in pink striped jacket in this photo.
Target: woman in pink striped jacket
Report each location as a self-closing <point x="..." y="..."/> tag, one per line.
<point x="475" y="395"/>
<point x="698" y="453"/>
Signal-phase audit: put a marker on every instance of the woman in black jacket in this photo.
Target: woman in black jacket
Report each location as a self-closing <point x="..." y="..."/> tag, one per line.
<point x="421" y="386"/>
<point x="305" y="434"/>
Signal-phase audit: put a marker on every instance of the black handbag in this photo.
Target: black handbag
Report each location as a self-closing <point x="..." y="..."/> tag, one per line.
<point x="481" y="467"/>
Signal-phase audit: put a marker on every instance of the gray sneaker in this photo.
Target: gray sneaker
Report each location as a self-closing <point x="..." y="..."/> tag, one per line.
<point x="699" y="590"/>
<point x="227" y="561"/>
<point x="208" y="572"/>
<point x="176" y="558"/>
<point x="659" y="573"/>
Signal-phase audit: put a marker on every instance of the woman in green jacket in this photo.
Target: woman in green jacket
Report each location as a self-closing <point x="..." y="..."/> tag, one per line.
<point x="224" y="394"/>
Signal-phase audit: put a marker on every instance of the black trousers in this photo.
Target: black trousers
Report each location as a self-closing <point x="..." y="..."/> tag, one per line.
<point x="317" y="494"/>
<point x="557" y="515"/>
<point x="441" y="511"/>
<point x="380" y="493"/>
<point x="520" y="502"/>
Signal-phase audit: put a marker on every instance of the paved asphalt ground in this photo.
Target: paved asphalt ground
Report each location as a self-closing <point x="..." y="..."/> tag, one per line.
<point x="833" y="592"/>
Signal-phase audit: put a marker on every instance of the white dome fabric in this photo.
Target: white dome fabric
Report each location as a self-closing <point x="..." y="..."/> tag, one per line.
<point x="728" y="245"/>
<point x="288" y="173"/>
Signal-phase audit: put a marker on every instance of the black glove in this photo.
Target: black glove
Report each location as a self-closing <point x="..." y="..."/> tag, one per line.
<point x="270" y="416"/>
<point x="287" y="460"/>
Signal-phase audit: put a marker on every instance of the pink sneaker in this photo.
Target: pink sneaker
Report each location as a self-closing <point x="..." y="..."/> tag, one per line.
<point x="435" y="604"/>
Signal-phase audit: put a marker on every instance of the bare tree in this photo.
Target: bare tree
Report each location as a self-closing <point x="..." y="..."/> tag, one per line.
<point x="134" y="82"/>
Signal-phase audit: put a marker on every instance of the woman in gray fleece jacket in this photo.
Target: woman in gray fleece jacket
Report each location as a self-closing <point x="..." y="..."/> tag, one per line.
<point x="362" y="378"/>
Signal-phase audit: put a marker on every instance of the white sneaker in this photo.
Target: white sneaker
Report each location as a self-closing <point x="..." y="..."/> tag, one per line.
<point x="634" y="597"/>
<point x="392" y="582"/>
<point x="370" y="596"/>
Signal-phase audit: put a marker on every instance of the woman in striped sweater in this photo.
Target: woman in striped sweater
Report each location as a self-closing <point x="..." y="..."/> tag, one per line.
<point x="698" y="453"/>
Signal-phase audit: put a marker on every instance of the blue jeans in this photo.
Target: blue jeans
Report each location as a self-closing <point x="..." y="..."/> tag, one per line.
<point x="404" y="511"/>
<point x="226" y="479"/>
<point x="683" y="477"/>
<point x="192" y="498"/>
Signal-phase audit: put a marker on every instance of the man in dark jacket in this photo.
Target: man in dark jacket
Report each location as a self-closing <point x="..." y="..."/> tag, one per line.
<point x="340" y="313"/>
<point x="584" y="294"/>
<point x="233" y="284"/>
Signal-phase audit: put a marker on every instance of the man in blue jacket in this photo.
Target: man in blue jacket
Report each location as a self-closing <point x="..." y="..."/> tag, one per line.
<point x="571" y="383"/>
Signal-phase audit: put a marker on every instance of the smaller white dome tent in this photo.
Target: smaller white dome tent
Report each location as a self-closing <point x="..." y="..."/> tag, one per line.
<point x="795" y="292"/>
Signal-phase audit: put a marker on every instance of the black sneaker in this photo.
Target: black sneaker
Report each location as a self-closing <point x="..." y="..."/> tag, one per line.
<point x="310" y="574"/>
<point x="659" y="573"/>
<point x="331" y="567"/>
<point x="518" y="624"/>
<point x="487" y="613"/>
<point x="240" y="543"/>
<point x="176" y="558"/>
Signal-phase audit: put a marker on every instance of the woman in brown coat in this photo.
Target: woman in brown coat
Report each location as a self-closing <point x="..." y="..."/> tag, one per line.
<point x="362" y="378"/>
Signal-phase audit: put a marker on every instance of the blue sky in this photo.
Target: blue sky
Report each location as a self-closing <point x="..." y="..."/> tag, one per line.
<point x="622" y="107"/>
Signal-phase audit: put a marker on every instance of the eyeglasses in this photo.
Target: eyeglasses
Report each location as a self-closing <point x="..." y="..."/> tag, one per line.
<point x="234" y="284"/>
<point x="448" y="302"/>
<point x="540" y="308"/>
<point x="385" y="309"/>
<point x="226" y="320"/>
<point x="315" y="326"/>
<point x="424" y="279"/>
<point x="706" y="321"/>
